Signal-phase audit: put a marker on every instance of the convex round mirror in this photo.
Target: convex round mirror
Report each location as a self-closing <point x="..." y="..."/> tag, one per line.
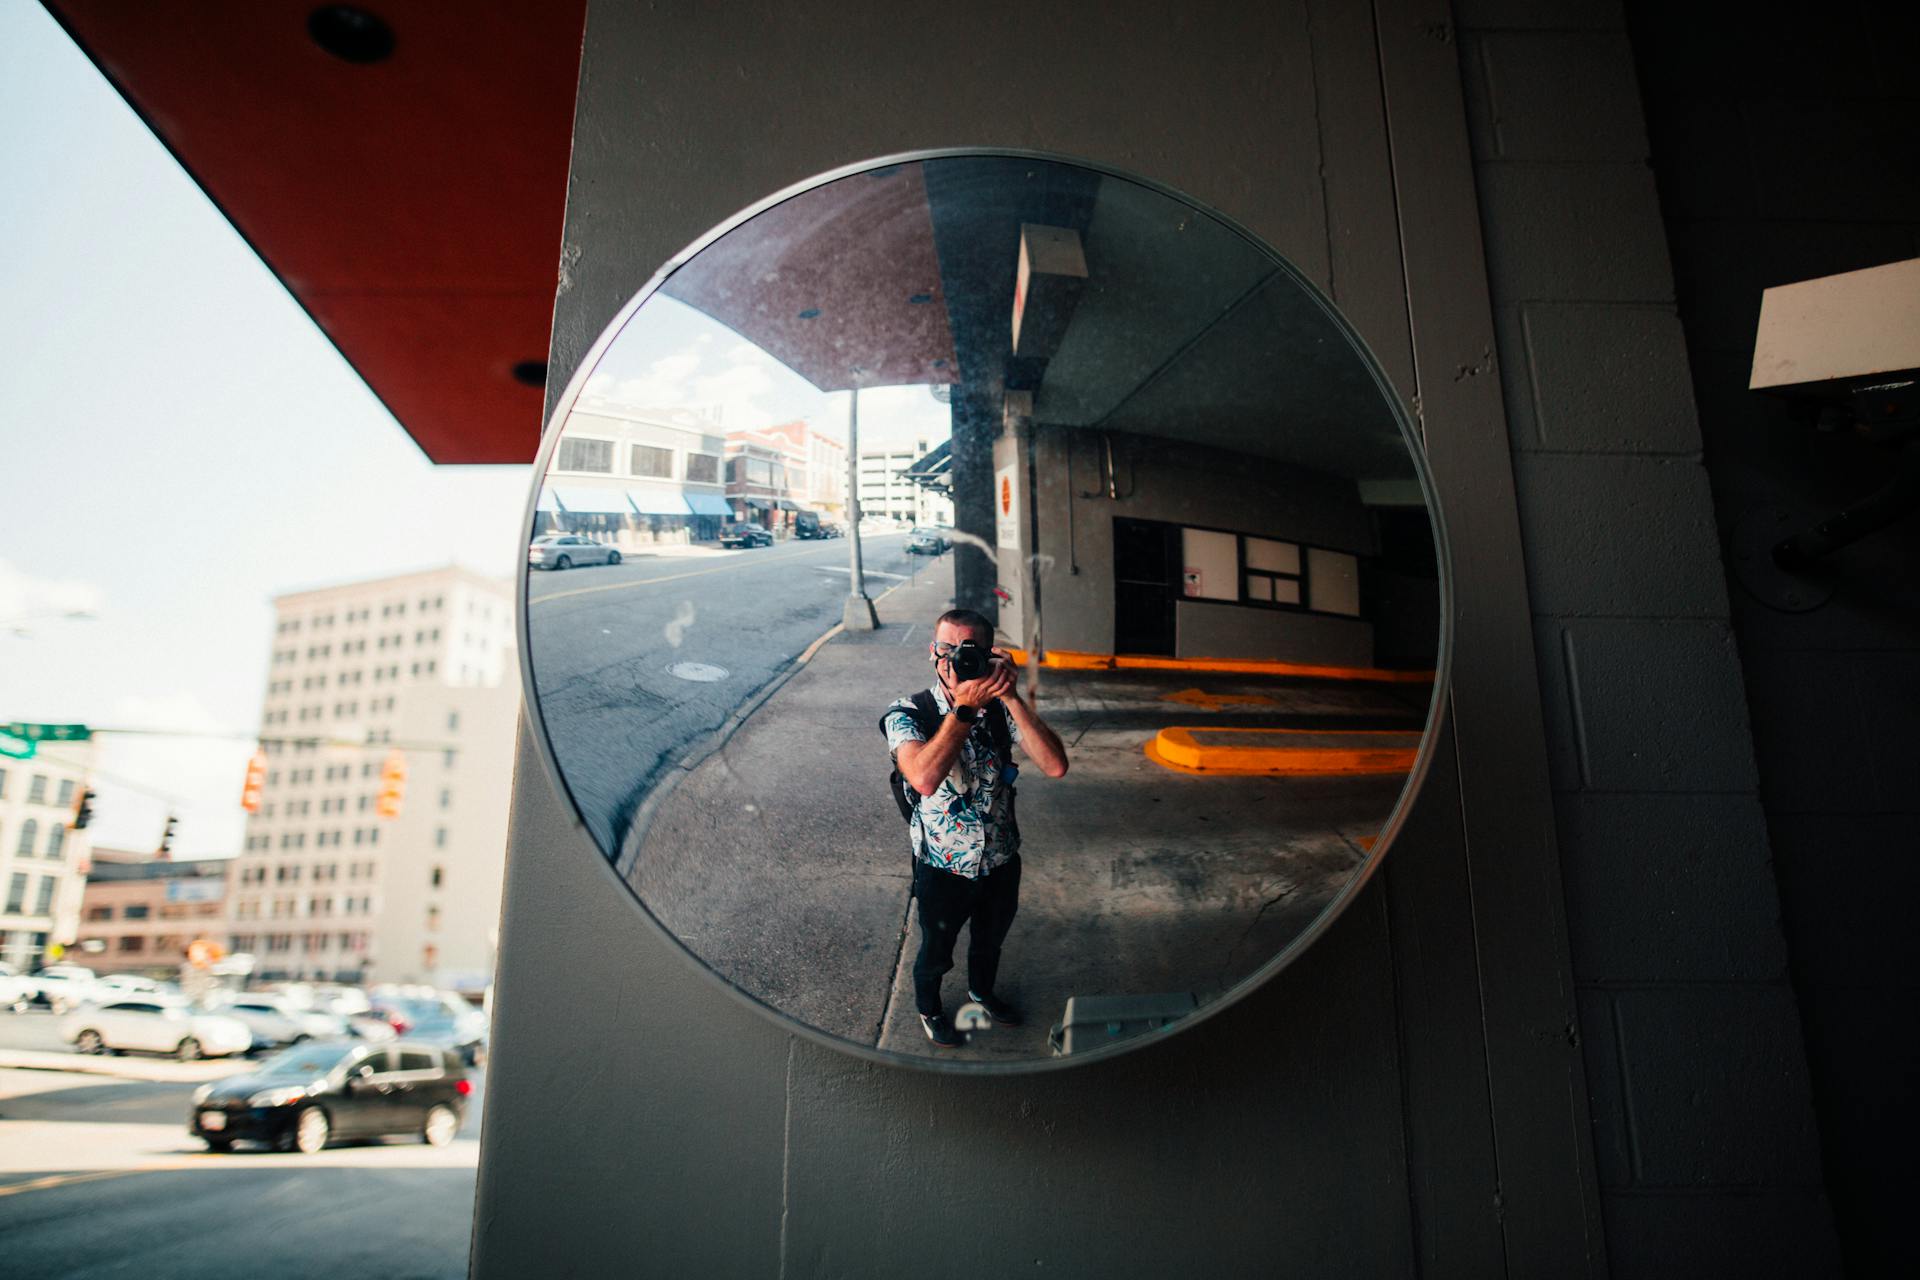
<point x="1095" y="474"/>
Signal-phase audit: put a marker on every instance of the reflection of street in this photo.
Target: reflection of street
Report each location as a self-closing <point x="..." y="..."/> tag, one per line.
<point x="782" y="863"/>
<point x="601" y="642"/>
<point x="98" y="1176"/>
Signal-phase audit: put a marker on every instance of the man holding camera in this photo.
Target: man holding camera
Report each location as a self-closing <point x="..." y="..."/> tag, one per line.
<point x="952" y="749"/>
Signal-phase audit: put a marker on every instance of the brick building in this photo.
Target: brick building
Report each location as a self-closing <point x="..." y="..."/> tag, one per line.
<point x="139" y="913"/>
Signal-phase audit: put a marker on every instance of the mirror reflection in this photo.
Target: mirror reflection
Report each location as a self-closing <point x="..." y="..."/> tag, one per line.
<point x="985" y="609"/>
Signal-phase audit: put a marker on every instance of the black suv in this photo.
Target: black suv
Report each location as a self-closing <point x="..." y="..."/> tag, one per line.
<point x="303" y="1098"/>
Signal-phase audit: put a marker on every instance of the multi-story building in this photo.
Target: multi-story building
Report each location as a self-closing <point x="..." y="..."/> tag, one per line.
<point x="760" y="477"/>
<point x="419" y="670"/>
<point x="887" y="492"/>
<point x="139" y="912"/>
<point x="43" y="863"/>
<point x="634" y="477"/>
<point x="816" y="467"/>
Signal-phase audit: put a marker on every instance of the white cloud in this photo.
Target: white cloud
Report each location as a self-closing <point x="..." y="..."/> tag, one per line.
<point x="24" y="596"/>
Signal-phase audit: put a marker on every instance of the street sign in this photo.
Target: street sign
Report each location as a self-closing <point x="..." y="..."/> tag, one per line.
<point x="17" y="748"/>
<point x="47" y="732"/>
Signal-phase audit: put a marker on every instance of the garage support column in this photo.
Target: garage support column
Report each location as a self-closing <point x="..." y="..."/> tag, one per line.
<point x="976" y="416"/>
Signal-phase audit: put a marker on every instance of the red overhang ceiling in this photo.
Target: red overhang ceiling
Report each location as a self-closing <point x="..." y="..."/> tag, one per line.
<point x="412" y="203"/>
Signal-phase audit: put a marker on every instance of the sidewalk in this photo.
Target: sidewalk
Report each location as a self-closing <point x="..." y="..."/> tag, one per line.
<point x="782" y="862"/>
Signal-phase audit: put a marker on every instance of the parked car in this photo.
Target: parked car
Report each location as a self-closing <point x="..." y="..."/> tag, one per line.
<point x="350" y="1004"/>
<point x="16" y="993"/>
<point x="61" y="987"/>
<point x="116" y="985"/>
<point x="275" y="1021"/>
<point x="925" y="542"/>
<point x="735" y="534"/>
<point x="565" y="550"/>
<point x="438" y="1018"/>
<point x="305" y="1097"/>
<point x="154" y="1025"/>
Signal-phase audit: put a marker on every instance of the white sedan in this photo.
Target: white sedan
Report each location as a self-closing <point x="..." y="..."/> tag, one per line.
<point x="155" y="1026"/>
<point x="278" y="1022"/>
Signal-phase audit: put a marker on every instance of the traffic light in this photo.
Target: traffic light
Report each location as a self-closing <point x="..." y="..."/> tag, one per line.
<point x="256" y="781"/>
<point x="82" y="810"/>
<point x="393" y="784"/>
<point x="166" y="836"/>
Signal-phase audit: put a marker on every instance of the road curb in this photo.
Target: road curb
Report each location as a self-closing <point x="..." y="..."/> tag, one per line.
<point x="1212" y="749"/>
<point x="150" y="1070"/>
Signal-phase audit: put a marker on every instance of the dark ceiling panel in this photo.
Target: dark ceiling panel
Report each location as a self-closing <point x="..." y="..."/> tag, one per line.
<point x="413" y="204"/>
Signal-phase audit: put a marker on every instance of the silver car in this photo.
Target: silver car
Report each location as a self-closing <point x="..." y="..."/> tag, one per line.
<point x="565" y="550"/>
<point x="278" y="1022"/>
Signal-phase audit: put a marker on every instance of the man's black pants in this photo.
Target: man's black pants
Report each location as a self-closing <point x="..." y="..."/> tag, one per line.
<point x="947" y="901"/>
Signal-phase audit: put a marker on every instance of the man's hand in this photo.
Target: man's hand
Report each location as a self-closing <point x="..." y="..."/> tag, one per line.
<point x="980" y="694"/>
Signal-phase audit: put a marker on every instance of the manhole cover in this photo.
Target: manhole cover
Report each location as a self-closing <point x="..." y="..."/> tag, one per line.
<point x="703" y="672"/>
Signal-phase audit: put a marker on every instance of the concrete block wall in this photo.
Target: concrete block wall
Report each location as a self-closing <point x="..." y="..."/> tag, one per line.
<point x="1704" y="1130"/>
<point x="1783" y="146"/>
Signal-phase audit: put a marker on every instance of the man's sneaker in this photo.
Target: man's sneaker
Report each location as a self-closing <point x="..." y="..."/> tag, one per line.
<point x="939" y="1029"/>
<point x="997" y="1009"/>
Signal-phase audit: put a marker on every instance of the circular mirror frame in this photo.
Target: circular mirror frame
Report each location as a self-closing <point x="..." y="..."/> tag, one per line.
<point x="1389" y="831"/>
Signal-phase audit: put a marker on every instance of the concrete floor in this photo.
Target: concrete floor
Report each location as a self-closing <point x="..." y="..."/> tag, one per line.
<point x="781" y="862"/>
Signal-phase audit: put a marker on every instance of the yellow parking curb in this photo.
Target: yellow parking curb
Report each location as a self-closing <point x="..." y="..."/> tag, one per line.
<point x="1068" y="660"/>
<point x="1282" y="752"/>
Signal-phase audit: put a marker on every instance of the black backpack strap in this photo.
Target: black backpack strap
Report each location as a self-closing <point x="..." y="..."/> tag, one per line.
<point x="1000" y="731"/>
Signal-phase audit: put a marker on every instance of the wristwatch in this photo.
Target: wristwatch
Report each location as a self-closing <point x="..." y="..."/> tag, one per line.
<point x="966" y="715"/>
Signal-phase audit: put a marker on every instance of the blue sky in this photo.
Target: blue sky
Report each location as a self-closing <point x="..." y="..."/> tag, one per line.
<point x="178" y="443"/>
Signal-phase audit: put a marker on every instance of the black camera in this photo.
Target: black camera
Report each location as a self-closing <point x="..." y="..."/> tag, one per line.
<point x="970" y="660"/>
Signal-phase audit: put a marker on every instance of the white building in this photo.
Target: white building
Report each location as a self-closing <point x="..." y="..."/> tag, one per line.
<point x="422" y="669"/>
<point x="634" y="478"/>
<point x="885" y="492"/>
<point x="43" y="864"/>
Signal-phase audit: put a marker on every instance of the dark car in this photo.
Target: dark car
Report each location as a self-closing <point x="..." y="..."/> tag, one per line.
<point x="309" y="1095"/>
<point x="926" y="542"/>
<point x="440" y="1019"/>
<point x="744" y="535"/>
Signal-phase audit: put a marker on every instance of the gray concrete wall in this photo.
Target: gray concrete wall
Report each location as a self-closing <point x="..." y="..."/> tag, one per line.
<point x="1783" y="150"/>
<point x="1185" y="485"/>
<point x="1207" y="630"/>
<point x="1407" y="1099"/>
<point x="1703" y="1128"/>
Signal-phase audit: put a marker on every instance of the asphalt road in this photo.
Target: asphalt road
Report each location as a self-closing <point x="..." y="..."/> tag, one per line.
<point x="99" y="1178"/>
<point x="603" y="643"/>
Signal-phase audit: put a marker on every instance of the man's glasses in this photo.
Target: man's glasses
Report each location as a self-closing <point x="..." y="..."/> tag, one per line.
<point x="943" y="650"/>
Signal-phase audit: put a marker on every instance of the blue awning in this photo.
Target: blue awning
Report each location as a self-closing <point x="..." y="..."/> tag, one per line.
<point x="708" y="504"/>
<point x="593" y="502"/>
<point x="546" y="501"/>
<point x="657" y="502"/>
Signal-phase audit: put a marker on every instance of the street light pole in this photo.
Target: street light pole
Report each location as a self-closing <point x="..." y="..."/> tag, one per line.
<point x="859" y="614"/>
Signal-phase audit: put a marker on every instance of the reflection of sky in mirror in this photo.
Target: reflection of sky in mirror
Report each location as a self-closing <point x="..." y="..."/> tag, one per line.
<point x="673" y="356"/>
